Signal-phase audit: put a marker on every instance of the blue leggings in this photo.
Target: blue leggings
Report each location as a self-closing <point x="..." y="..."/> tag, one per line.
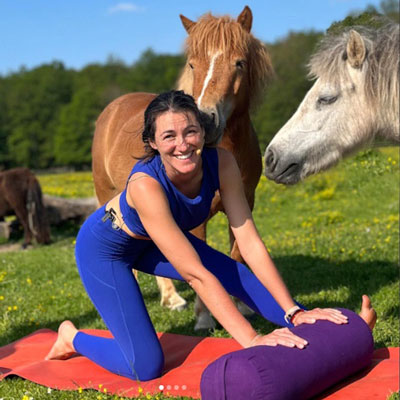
<point x="105" y="258"/>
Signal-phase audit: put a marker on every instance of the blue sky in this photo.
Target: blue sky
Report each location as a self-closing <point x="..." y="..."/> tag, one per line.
<point x="79" y="32"/>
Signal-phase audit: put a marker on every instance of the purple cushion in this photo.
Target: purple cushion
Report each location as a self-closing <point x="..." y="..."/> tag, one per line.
<point x="278" y="373"/>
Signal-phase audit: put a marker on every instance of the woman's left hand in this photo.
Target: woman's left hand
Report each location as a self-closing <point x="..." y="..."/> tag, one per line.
<point x="310" y="317"/>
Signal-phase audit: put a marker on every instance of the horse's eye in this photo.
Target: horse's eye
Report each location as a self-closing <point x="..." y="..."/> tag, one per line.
<point x="191" y="65"/>
<point x="325" y="100"/>
<point x="240" y="64"/>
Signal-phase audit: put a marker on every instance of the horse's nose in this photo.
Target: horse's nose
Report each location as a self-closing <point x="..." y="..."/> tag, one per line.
<point x="212" y="112"/>
<point x="270" y="160"/>
<point x="214" y="117"/>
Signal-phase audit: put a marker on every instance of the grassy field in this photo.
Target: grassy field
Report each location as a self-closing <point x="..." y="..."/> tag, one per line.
<point x="334" y="237"/>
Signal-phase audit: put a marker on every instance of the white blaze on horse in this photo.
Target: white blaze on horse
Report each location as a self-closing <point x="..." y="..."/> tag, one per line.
<point x="354" y="102"/>
<point x="226" y="72"/>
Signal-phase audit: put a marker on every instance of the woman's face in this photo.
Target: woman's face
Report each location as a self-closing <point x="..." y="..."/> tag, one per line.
<point x="179" y="139"/>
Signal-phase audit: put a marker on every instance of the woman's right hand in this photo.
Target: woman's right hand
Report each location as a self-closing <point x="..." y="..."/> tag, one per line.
<point x="282" y="336"/>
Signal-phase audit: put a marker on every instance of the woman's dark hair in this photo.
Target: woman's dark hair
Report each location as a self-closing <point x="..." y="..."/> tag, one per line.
<point x="175" y="101"/>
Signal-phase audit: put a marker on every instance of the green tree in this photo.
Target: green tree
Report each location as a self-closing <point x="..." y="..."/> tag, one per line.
<point x="155" y="72"/>
<point x="33" y="104"/>
<point x="289" y="57"/>
<point x="4" y="154"/>
<point x="74" y="133"/>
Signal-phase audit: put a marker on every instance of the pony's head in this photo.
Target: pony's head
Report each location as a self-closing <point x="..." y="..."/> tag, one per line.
<point x="227" y="68"/>
<point x="354" y="99"/>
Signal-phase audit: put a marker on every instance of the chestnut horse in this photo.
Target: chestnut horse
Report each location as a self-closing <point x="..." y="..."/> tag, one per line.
<point x="226" y="72"/>
<point x="20" y="194"/>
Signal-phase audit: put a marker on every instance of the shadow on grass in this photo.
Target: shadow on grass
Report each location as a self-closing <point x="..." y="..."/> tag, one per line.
<point x="312" y="277"/>
<point x="306" y="275"/>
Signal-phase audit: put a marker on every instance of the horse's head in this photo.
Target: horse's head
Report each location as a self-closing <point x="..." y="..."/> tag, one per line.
<point x="337" y="116"/>
<point x="226" y="66"/>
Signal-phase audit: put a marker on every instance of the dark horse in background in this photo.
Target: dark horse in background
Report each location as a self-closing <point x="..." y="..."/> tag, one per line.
<point x="20" y="194"/>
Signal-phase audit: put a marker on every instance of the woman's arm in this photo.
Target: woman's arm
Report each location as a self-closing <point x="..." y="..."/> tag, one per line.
<point x="148" y="197"/>
<point x="251" y="245"/>
<point x="247" y="237"/>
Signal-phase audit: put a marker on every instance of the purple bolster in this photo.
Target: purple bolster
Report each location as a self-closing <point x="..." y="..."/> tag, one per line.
<point x="277" y="373"/>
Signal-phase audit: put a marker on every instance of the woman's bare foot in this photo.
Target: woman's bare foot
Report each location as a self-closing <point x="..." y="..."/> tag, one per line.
<point x="63" y="347"/>
<point x="367" y="313"/>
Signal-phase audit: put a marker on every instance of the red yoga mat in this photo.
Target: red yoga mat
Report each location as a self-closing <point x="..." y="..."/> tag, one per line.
<point x="186" y="358"/>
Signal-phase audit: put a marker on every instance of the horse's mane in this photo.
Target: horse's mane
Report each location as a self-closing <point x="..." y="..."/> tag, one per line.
<point x="382" y="66"/>
<point x="227" y="35"/>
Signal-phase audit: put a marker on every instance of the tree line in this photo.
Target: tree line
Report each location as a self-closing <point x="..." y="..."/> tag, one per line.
<point x="47" y="114"/>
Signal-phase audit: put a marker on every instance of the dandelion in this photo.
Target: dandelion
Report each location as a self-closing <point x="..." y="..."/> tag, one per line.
<point x="140" y="389"/>
<point x="15" y="308"/>
<point x="29" y="281"/>
<point x="80" y="390"/>
<point x="1" y="297"/>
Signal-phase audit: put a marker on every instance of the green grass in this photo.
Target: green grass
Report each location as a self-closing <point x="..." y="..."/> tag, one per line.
<point x="334" y="237"/>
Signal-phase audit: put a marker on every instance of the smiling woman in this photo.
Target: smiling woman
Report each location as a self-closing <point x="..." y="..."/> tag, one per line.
<point x="147" y="227"/>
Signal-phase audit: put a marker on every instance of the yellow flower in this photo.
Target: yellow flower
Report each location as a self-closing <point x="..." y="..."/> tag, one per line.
<point x="140" y="389"/>
<point x="1" y="297"/>
<point x="80" y="390"/>
<point x="29" y="281"/>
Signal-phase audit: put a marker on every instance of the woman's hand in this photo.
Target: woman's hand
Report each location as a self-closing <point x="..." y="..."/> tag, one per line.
<point x="310" y="317"/>
<point x="282" y="336"/>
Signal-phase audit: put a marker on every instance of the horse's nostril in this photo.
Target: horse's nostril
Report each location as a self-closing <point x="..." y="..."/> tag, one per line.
<point x="270" y="160"/>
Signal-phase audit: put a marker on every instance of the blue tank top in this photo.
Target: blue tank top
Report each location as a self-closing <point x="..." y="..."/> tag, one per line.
<point x="188" y="213"/>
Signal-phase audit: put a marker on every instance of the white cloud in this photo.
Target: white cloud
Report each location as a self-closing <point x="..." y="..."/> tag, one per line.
<point x="124" y="7"/>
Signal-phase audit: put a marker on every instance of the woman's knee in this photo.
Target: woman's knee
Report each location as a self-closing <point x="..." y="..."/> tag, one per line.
<point x="149" y="367"/>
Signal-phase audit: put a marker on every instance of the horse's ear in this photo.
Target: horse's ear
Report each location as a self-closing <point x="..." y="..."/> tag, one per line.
<point x="356" y="51"/>
<point x="246" y="19"/>
<point x="188" y="24"/>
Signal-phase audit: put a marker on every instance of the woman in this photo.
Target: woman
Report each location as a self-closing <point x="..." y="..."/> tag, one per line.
<point x="147" y="226"/>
